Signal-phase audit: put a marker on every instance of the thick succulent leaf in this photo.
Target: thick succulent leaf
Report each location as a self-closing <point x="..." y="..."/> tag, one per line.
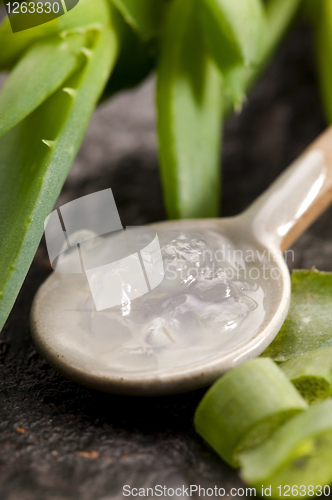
<point x="35" y="157"/>
<point x="233" y="31"/>
<point x="244" y="407"/>
<point x="85" y="15"/>
<point x="304" y="344"/>
<point x="278" y="16"/>
<point x="135" y="60"/>
<point x="308" y="324"/>
<point x="299" y="455"/>
<point x="189" y="104"/>
<point x="42" y="69"/>
<point x="142" y="15"/>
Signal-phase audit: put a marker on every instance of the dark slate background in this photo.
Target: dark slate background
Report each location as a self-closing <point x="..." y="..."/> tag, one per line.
<point x="61" y="441"/>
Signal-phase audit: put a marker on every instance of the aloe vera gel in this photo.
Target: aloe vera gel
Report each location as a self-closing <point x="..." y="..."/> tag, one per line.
<point x="204" y="306"/>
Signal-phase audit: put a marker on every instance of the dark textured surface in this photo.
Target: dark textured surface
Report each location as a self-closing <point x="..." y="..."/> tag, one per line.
<point x="62" y="441"/>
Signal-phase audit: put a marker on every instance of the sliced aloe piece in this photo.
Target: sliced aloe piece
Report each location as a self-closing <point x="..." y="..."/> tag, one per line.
<point x="42" y="69"/>
<point x="86" y="14"/>
<point x="308" y="324"/>
<point x="245" y="407"/>
<point x="35" y="157"/>
<point x="297" y="460"/>
<point x="311" y="374"/>
<point x="143" y="16"/>
<point x="233" y="31"/>
<point x="189" y="98"/>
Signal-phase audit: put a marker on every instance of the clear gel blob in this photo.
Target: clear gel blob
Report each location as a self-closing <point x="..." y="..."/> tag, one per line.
<point x="205" y="304"/>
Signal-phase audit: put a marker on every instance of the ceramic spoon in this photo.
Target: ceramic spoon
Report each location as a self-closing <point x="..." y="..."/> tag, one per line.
<point x="269" y="226"/>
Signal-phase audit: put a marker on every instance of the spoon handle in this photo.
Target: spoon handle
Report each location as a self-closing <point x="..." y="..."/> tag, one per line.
<point x="296" y="199"/>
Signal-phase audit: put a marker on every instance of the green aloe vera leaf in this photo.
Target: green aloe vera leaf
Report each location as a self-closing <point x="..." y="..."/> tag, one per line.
<point x="308" y="324"/>
<point x="35" y="157"/>
<point x="15" y="44"/>
<point x="279" y="14"/>
<point x="233" y="31"/>
<point x="189" y="106"/>
<point x="245" y="407"/>
<point x="43" y="69"/>
<point x="323" y="48"/>
<point x="311" y="374"/>
<point x="86" y="14"/>
<point x="135" y="60"/>
<point x="299" y="453"/>
<point x="144" y="16"/>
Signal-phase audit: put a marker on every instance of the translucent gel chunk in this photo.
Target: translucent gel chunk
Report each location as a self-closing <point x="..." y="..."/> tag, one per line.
<point x="204" y="302"/>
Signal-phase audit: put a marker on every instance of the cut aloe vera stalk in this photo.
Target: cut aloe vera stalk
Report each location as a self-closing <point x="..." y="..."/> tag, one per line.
<point x="311" y="374"/>
<point x="299" y="453"/>
<point x="42" y="69"/>
<point x="245" y="406"/>
<point x="189" y="97"/>
<point x="308" y="324"/>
